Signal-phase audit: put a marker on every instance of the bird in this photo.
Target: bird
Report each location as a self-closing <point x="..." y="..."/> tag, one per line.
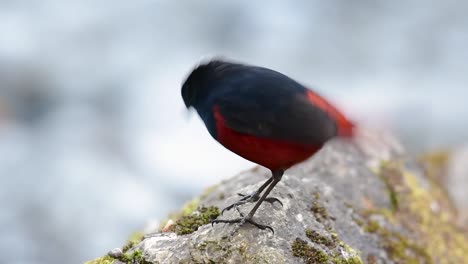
<point x="263" y="116"/>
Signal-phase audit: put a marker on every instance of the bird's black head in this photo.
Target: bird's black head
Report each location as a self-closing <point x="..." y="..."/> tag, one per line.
<point x="192" y="86"/>
<point x="203" y="79"/>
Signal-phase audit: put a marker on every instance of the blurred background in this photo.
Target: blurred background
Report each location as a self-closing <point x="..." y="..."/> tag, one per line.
<point x="94" y="137"/>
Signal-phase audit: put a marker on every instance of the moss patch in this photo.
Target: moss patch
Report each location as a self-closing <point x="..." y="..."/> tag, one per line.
<point x="352" y="256"/>
<point x="332" y="250"/>
<point x="189" y="207"/>
<point x="435" y="165"/>
<point x="399" y="248"/>
<point x="319" y="211"/>
<point x="190" y="223"/>
<point x="315" y="237"/>
<point x="102" y="260"/>
<point x="335" y="251"/>
<point x="134" y="239"/>
<point x="136" y="257"/>
<point x="351" y="260"/>
<point x="307" y="253"/>
<point x="372" y="226"/>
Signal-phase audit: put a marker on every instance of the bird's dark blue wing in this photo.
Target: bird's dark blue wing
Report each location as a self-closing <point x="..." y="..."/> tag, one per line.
<point x="270" y="105"/>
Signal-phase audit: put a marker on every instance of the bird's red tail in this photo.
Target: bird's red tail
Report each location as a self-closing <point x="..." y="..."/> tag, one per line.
<point x="345" y="127"/>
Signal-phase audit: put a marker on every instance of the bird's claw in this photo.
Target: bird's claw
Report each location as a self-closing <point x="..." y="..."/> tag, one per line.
<point x="250" y="198"/>
<point x="241" y="221"/>
<point x="272" y="200"/>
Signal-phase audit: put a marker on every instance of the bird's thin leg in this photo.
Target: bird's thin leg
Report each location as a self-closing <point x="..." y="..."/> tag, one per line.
<point x="277" y="175"/>
<point x="258" y="191"/>
<point x="276" y="179"/>
<point x="253" y="197"/>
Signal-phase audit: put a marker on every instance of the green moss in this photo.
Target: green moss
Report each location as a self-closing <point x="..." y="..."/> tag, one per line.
<point x="189" y="207"/>
<point x="435" y="164"/>
<point x="101" y="260"/>
<point x="209" y="244"/>
<point x="319" y="211"/>
<point x="190" y="223"/>
<point x="136" y="257"/>
<point x="389" y="182"/>
<point x="308" y="254"/>
<point x="352" y="256"/>
<point x="350" y="260"/>
<point x="358" y="221"/>
<point x="397" y="246"/>
<point x="316" y="195"/>
<point x="402" y="250"/>
<point x="315" y="237"/>
<point x="221" y="196"/>
<point x="372" y="226"/>
<point x="134" y="239"/>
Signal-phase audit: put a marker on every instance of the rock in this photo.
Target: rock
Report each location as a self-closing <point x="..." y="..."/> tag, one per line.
<point x="115" y="253"/>
<point x="354" y="202"/>
<point x="457" y="181"/>
<point x="449" y="169"/>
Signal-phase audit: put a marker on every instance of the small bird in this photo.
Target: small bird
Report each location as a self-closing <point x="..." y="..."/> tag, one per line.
<point x="263" y="116"/>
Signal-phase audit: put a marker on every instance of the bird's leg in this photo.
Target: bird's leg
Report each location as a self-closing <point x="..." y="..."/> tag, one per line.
<point x="249" y="198"/>
<point x="277" y="175"/>
<point x="253" y="197"/>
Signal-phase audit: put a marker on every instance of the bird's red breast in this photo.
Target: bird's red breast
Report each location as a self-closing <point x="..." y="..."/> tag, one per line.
<point x="270" y="153"/>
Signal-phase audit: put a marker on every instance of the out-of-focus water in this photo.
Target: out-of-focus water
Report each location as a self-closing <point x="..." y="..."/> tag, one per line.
<point x="94" y="139"/>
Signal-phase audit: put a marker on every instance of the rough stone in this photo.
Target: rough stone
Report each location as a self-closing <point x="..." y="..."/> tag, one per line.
<point x="457" y="181"/>
<point x="364" y="201"/>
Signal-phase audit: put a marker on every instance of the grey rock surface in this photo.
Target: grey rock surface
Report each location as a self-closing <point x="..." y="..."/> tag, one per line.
<point x="457" y="181"/>
<point x="363" y="201"/>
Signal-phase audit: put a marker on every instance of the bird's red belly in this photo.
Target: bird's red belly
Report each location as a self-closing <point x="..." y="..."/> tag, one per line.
<point x="273" y="154"/>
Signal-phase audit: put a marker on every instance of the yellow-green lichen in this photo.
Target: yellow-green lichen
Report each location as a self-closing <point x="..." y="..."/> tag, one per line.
<point x="352" y="256"/>
<point x="101" y="260"/>
<point x="190" y="223"/>
<point x="399" y="248"/>
<point x="350" y="260"/>
<point x="435" y="164"/>
<point x="390" y="185"/>
<point x="425" y="214"/>
<point x="307" y="253"/>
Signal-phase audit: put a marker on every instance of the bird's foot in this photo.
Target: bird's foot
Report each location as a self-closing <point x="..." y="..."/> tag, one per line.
<point x="250" y="198"/>
<point x="242" y="221"/>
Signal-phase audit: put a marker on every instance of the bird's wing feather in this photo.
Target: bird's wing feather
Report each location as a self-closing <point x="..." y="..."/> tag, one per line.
<point x="275" y="109"/>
